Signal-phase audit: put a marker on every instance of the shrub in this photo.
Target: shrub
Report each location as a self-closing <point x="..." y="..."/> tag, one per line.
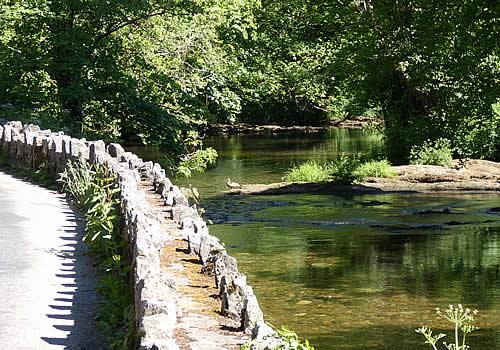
<point x="376" y="168"/>
<point x="96" y="192"/>
<point x="462" y="320"/>
<point x="436" y="152"/>
<point x="343" y="169"/>
<point x="288" y="340"/>
<point x="199" y="161"/>
<point x="310" y="171"/>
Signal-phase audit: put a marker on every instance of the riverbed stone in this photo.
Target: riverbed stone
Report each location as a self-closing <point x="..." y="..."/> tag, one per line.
<point x="31" y="128"/>
<point x="264" y="337"/>
<point x="17" y="125"/>
<point x="210" y="247"/>
<point x="163" y="187"/>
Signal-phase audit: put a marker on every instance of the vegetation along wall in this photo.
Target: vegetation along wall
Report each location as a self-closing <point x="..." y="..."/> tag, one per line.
<point x="155" y="292"/>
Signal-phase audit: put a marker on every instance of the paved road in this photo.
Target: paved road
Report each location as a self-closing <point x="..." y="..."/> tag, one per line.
<point x="47" y="284"/>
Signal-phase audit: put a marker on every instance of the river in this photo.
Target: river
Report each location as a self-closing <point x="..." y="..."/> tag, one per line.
<point x="353" y="271"/>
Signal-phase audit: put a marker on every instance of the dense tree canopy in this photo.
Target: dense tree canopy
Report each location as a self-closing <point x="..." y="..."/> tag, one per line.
<point x="150" y="70"/>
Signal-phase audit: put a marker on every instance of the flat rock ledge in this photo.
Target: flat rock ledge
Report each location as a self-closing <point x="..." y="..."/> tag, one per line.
<point x="188" y="292"/>
<point x="475" y="176"/>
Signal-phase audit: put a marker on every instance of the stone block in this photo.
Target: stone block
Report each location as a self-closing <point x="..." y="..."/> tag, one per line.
<point x="224" y="265"/>
<point x="252" y="314"/>
<point x="233" y="297"/>
<point x="115" y="150"/>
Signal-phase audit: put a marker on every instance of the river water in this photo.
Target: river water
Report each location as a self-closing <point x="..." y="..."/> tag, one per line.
<point x="353" y="271"/>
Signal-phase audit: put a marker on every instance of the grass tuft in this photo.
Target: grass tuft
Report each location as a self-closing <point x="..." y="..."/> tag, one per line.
<point x="376" y="168"/>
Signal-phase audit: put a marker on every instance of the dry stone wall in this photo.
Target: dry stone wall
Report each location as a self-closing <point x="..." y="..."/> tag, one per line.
<point x="155" y="293"/>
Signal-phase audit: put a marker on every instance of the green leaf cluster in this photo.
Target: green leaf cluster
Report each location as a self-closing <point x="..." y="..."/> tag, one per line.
<point x="95" y="191"/>
<point x="149" y="71"/>
<point x="436" y="152"/>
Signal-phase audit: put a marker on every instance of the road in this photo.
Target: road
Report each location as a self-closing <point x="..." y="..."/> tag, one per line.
<point x="47" y="283"/>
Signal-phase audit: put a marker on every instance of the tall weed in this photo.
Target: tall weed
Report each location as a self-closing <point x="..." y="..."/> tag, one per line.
<point x="95" y="191"/>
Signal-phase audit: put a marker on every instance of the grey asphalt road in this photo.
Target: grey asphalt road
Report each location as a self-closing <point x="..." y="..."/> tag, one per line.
<point x="48" y="284"/>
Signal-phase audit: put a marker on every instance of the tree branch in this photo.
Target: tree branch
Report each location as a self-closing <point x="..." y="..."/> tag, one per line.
<point x="131" y="21"/>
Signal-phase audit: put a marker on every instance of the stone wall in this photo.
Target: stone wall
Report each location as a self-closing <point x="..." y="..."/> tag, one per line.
<point x="155" y="293"/>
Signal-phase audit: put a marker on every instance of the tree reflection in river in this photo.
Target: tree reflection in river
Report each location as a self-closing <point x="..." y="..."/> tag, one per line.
<point x="332" y="267"/>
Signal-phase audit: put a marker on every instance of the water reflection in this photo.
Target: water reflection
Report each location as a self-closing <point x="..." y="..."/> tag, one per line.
<point x="264" y="159"/>
<point x="327" y="266"/>
<point x="352" y="272"/>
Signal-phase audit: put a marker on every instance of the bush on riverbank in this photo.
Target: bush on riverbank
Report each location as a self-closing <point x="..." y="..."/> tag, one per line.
<point x="343" y="170"/>
<point x="95" y="192"/>
<point x="436" y="152"/>
<point x="376" y="168"/>
<point x="310" y="171"/>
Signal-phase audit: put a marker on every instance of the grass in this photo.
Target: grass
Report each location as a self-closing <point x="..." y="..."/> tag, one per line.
<point x="343" y="170"/>
<point x="310" y="171"/>
<point x="376" y="168"/>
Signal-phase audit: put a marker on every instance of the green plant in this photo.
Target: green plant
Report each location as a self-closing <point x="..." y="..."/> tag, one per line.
<point x="376" y="168"/>
<point x="3" y="160"/>
<point x="462" y="320"/>
<point x="343" y="169"/>
<point x="39" y="176"/>
<point x="199" y="161"/>
<point x="95" y="191"/>
<point x="286" y="339"/>
<point x="310" y="171"/>
<point x="436" y="152"/>
<point x="291" y="341"/>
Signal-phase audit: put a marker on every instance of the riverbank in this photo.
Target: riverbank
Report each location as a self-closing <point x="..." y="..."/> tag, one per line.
<point x="475" y="176"/>
<point x="244" y="128"/>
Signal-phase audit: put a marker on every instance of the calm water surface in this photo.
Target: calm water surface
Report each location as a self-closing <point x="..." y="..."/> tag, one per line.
<point x="353" y="272"/>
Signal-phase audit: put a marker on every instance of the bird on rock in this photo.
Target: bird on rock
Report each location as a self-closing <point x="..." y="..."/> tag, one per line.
<point x="232" y="185"/>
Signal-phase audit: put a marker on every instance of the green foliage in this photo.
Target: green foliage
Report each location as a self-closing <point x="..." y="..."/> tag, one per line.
<point x="289" y="340"/>
<point x="144" y="70"/>
<point x="149" y="70"/>
<point x="309" y="171"/>
<point x="436" y="152"/>
<point x="95" y="191"/>
<point x="343" y="169"/>
<point x="433" y="67"/>
<point x="376" y="168"/>
<point x="195" y="157"/>
<point x="198" y="161"/>
<point x="462" y="321"/>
